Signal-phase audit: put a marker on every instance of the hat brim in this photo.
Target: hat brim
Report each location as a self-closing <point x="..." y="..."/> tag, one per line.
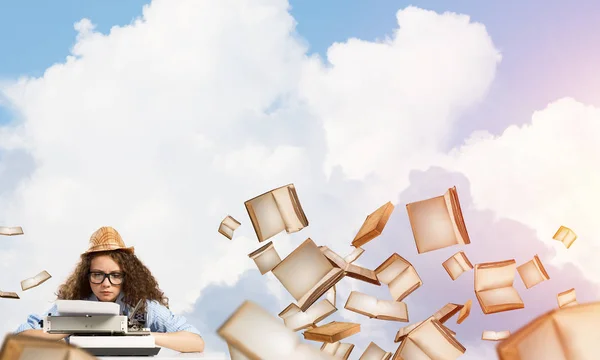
<point x="130" y="249"/>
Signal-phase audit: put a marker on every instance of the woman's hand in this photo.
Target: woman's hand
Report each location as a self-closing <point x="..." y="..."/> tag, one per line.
<point x="182" y="341"/>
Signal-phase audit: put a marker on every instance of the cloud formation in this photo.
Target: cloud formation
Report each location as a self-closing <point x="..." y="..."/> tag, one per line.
<point x="164" y="126"/>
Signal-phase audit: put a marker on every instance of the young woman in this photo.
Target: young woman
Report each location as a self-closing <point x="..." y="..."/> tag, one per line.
<point x="109" y="271"/>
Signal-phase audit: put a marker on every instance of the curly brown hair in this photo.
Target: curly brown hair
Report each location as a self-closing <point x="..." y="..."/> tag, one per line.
<point x="139" y="283"/>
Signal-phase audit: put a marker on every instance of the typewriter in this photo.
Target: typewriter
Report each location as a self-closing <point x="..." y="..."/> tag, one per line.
<point x="100" y="329"/>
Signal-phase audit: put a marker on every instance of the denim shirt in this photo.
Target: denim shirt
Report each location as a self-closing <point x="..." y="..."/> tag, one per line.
<point x="158" y="317"/>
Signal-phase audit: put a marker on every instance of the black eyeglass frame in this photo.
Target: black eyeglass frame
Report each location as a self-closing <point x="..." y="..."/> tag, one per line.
<point x="105" y="276"/>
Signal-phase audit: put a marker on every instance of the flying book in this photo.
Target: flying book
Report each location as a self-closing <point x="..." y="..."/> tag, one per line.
<point x="296" y="319"/>
<point x="442" y="315"/>
<point x="350" y="270"/>
<point x="338" y="350"/>
<point x="35" y="281"/>
<point x="307" y="274"/>
<point x="399" y="275"/>
<point x="258" y="335"/>
<point x="265" y="258"/>
<point x="11" y="230"/>
<point x="565" y="235"/>
<point x="533" y="272"/>
<point x="566" y="298"/>
<point x="355" y="254"/>
<point x="330" y="295"/>
<point x="332" y="332"/>
<point x="9" y="295"/>
<point x="373" y="225"/>
<point x="494" y="287"/>
<point x="374" y="352"/>
<point x="26" y="347"/>
<point x="464" y="312"/>
<point x="276" y="211"/>
<point x="235" y="354"/>
<point x="494" y="335"/>
<point x="438" y="222"/>
<point x="429" y="340"/>
<point x="457" y="264"/>
<point x="569" y="333"/>
<point x="228" y="226"/>
<point x="378" y="309"/>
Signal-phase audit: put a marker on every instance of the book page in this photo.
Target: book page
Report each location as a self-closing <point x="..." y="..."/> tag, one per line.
<point x="355" y="254"/>
<point x="286" y="208"/>
<point x="405" y="284"/>
<point x="296" y="319"/>
<point x="431" y="224"/>
<point x="330" y="295"/>
<point x="265" y="258"/>
<point x="261" y="336"/>
<point x="372" y="307"/>
<point x="494" y="275"/>
<point x="35" y="281"/>
<point x="502" y="296"/>
<point x="391" y="268"/>
<point x="455" y="216"/>
<point x="537" y="340"/>
<point x="373" y="225"/>
<point x="578" y="330"/>
<point x="302" y="269"/>
<point x="446" y="312"/>
<point x="265" y="216"/>
<point x="567" y="298"/>
<point x="374" y="352"/>
<point x="435" y="342"/>
<point x="410" y="350"/>
<point x="533" y="272"/>
<point x="338" y="349"/>
<point x="228" y="226"/>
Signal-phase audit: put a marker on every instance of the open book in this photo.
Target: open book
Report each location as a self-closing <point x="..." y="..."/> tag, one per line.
<point x="258" y="335"/>
<point x="438" y="222"/>
<point x="464" y="312"/>
<point x="430" y="340"/>
<point x="533" y="272"/>
<point x="332" y="332"/>
<point x="566" y="298"/>
<point x="373" y="225"/>
<point x="24" y="347"/>
<point x="276" y="211"/>
<point x="11" y="230"/>
<point x="399" y="275"/>
<point x="296" y="319"/>
<point x="565" y="235"/>
<point x="374" y="352"/>
<point x="9" y="295"/>
<point x="379" y="309"/>
<point x="307" y="274"/>
<point x="35" y="281"/>
<point x="265" y="258"/>
<point x="457" y="264"/>
<point x="350" y="270"/>
<point x="494" y="335"/>
<point x="338" y="350"/>
<point x="228" y="226"/>
<point x="569" y="333"/>
<point x="442" y="315"/>
<point x="494" y="287"/>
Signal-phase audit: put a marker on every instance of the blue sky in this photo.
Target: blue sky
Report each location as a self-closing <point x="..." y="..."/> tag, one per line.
<point x="549" y="47"/>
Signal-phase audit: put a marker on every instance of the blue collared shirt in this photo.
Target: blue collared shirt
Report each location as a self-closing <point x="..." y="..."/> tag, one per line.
<point x="159" y="317"/>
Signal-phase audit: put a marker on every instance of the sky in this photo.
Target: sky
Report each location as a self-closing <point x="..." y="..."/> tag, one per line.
<point x="161" y="118"/>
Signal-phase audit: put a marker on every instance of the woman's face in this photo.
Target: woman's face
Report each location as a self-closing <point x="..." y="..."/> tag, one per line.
<point x="105" y="278"/>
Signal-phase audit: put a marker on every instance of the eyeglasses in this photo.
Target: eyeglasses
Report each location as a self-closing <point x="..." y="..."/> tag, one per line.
<point x="113" y="278"/>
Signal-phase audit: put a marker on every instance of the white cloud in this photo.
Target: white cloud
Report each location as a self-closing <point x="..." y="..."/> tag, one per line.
<point x="163" y="127"/>
<point x="544" y="175"/>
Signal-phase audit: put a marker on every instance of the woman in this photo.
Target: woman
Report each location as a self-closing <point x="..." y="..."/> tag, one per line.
<point x="109" y="271"/>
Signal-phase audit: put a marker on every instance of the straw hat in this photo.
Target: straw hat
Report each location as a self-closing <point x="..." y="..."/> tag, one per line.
<point x="105" y="239"/>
